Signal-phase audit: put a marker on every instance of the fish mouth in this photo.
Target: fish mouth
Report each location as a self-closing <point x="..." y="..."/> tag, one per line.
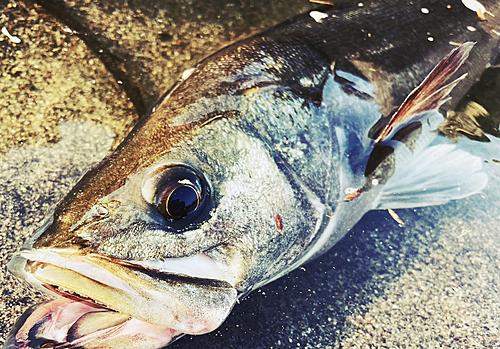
<point x="119" y="303"/>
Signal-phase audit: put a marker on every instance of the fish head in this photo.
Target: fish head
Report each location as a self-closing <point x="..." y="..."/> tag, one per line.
<point x="187" y="230"/>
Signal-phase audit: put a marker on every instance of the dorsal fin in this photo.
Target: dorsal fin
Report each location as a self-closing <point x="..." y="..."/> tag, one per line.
<point x="429" y="94"/>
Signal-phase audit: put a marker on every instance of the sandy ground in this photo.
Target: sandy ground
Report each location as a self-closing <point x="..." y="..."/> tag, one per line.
<point x="430" y="284"/>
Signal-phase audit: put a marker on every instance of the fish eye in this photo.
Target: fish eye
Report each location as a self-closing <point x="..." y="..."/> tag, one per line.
<point x="178" y="200"/>
<point x="181" y="192"/>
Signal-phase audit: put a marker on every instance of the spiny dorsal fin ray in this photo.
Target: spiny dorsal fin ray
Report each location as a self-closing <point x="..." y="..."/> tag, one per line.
<point x="428" y="95"/>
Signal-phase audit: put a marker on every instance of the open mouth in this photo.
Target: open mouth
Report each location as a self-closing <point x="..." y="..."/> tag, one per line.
<point x="109" y="303"/>
<point x="67" y="323"/>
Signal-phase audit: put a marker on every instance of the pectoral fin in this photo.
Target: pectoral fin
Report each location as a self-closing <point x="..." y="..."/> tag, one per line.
<point x="435" y="176"/>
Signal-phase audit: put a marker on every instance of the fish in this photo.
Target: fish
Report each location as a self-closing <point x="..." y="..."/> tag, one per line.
<point x="258" y="160"/>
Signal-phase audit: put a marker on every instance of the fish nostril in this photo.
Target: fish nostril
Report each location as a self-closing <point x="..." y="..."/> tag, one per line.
<point x="102" y="211"/>
<point x="114" y="204"/>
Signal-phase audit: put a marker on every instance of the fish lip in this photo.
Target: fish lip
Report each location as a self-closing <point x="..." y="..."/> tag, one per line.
<point x="73" y="296"/>
<point x="28" y="257"/>
<point x="163" y="270"/>
<point x="176" y="277"/>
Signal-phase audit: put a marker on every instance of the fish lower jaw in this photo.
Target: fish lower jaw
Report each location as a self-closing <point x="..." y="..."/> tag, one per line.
<point x="157" y="301"/>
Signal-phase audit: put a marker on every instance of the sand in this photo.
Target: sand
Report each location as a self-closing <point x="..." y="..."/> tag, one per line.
<point x="432" y="283"/>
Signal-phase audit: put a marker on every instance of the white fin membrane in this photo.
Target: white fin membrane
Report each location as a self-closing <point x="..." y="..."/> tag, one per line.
<point x="435" y="176"/>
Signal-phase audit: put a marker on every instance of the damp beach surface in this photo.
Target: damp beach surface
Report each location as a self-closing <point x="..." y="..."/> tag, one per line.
<point x="431" y="283"/>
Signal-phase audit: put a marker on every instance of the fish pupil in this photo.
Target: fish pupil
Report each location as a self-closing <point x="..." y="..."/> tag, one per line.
<point x="182" y="195"/>
<point x="182" y="201"/>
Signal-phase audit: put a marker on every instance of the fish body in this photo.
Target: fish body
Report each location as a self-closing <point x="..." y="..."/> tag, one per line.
<point x="246" y="170"/>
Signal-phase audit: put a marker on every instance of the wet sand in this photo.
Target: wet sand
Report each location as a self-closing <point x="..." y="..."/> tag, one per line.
<point x="430" y="284"/>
